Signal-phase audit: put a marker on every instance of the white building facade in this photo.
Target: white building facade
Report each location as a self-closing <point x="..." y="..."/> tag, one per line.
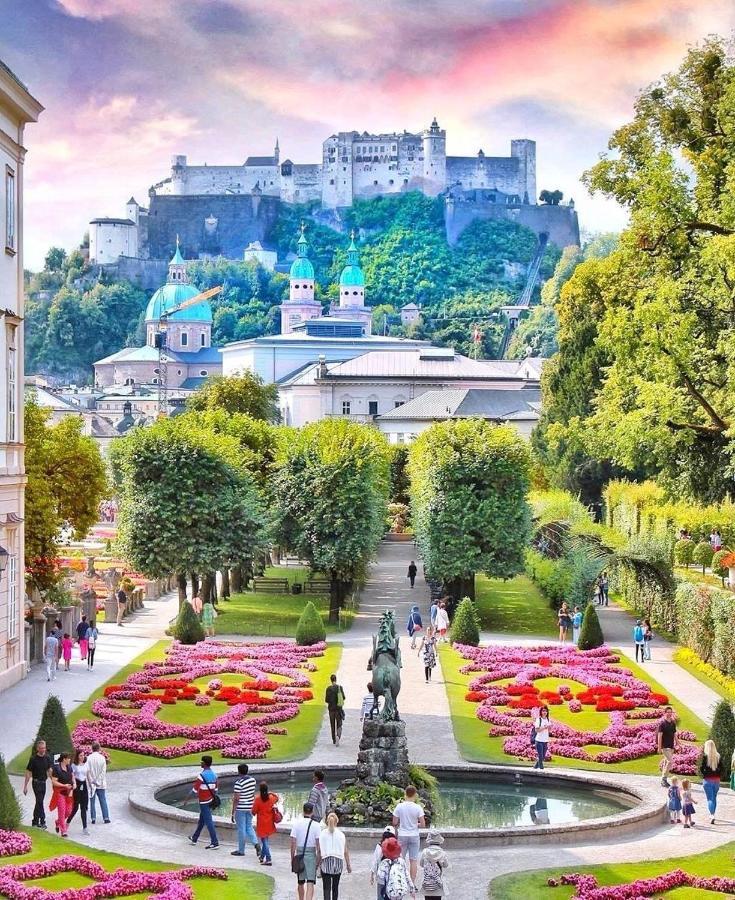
<point x="17" y="109"/>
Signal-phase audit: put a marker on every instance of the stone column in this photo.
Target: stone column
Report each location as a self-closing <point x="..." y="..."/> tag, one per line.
<point x="39" y="635"/>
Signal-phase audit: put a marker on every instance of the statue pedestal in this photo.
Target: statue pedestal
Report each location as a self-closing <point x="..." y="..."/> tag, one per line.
<point x="383" y="754"/>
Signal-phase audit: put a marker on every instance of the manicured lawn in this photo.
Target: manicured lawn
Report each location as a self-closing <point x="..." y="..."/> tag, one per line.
<point x="296" y="744"/>
<point x="474" y="744"/>
<point x="703" y="678"/>
<point x="252" y="885"/>
<point x="515" y="606"/>
<point x="525" y="885"/>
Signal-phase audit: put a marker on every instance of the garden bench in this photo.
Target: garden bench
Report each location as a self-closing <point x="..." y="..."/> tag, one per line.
<point x="316" y="586"/>
<point x="271" y="585"/>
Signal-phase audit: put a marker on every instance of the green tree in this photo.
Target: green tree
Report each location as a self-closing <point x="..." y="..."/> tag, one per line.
<point x="9" y="806"/>
<point x="717" y="567"/>
<point x="244" y="393"/>
<point x="310" y="627"/>
<point x="399" y="481"/>
<point x="465" y="625"/>
<point x="590" y="634"/>
<point x="469" y="482"/>
<point x="553" y="198"/>
<point x="54" y="728"/>
<point x="54" y="259"/>
<point x="331" y="491"/>
<point x="684" y="552"/>
<point x="188" y="628"/>
<point x="66" y="482"/>
<point x="723" y="734"/>
<point x="703" y="554"/>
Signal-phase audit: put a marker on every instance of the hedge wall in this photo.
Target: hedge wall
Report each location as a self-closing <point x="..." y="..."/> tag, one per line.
<point x="706" y="624"/>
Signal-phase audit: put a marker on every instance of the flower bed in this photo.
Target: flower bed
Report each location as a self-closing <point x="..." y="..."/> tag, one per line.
<point x="588" y="887"/>
<point x="633" y="708"/>
<point x="253" y="707"/>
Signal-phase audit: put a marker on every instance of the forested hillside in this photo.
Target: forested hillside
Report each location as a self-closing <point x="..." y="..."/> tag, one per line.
<point x="403" y="251"/>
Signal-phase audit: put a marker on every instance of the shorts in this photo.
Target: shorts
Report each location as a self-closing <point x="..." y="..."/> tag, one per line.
<point x="309" y="873"/>
<point x="410" y="845"/>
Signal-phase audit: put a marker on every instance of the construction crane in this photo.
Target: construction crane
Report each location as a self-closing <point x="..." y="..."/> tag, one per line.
<point x="160" y="344"/>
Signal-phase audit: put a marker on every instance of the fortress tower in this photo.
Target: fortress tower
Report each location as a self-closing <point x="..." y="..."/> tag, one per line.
<point x="434" y="142"/>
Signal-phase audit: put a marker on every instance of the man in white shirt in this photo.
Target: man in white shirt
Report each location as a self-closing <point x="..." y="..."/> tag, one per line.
<point x="408" y="817"/>
<point x="97" y="782"/>
<point x="304" y="837"/>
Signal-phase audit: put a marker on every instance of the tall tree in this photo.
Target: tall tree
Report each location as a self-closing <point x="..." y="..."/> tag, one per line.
<point x="331" y="493"/>
<point x="244" y="393"/>
<point x="469" y="482"/>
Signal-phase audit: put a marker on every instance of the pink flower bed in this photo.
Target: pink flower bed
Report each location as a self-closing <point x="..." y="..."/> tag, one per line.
<point x="633" y="708"/>
<point x="254" y="709"/>
<point x="588" y="887"/>
<point x="14" y="843"/>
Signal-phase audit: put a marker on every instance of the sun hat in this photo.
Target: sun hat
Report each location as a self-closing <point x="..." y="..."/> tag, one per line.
<point x="391" y="848"/>
<point x="433" y="837"/>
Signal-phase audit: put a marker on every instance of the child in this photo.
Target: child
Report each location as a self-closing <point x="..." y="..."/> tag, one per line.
<point x="675" y="801"/>
<point x="688" y="803"/>
<point x="576" y="625"/>
<point x="66" y="645"/>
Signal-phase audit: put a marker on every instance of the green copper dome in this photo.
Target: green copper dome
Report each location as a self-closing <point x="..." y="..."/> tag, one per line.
<point x="352" y="275"/>
<point x="172" y="295"/>
<point x="301" y="266"/>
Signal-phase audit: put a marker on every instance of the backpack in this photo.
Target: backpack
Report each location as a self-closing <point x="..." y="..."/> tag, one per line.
<point x="638" y="634"/>
<point x="432" y="882"/>
<point x="396" y="887"/>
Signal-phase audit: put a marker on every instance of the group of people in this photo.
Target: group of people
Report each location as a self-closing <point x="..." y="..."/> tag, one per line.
<point x="77" y="784"/>
<point x="642" y="637"/>
<point x="602" y="590"/>
<point x="59" y="645"/>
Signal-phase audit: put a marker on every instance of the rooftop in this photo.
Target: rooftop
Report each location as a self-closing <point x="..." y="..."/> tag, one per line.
<point x="429" y="362"/>
<point x="486" y="403"/>
<point x="110" y="220"/>
<point x="261" y="161"/>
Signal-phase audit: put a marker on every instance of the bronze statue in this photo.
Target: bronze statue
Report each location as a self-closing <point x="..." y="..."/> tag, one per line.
<point x="385" y="664"/>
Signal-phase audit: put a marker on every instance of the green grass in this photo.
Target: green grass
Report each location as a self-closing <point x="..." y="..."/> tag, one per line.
<point x="695" y="574"/>
<point x="296" y="744"/>
<point x="252" y="885"/>
<point x="474" y="744"/>
<point x="515" y="606"/>
<point x="705" y="679"/>
<point x="524" y="885"/>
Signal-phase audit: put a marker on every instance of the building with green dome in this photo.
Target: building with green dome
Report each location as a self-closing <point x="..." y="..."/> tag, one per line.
<point x="301" y="304"/>
<point x="352" y="291"/>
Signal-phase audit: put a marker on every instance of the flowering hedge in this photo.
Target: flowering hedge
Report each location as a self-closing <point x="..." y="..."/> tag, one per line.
<point x="588" y="887"/>
<point x="253" y="708"/>
<point x="633" y="707"/>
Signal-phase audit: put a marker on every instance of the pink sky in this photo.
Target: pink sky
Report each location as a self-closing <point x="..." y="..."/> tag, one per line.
<point x="128" y="83"/>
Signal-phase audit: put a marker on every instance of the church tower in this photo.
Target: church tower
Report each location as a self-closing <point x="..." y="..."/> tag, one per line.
<point x="352" y="291"/>
<point x="301" y="304"/>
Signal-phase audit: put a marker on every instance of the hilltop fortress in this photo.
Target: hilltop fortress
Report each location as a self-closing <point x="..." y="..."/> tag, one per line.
<point x="220" y="210"/>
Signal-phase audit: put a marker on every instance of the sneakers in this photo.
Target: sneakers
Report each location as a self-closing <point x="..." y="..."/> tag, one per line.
<point x="191" y="840"/>
<point x="212" y="847"/>
<point x="712" y="820"/>
<point x="107" y="821"/>
<point x="665" y="782"/>
<point x="85" y="830"/>
<point x="236" y="853"/>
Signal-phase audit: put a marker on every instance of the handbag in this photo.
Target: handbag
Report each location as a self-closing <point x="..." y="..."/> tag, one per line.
<point x="277" y="815"/>
<point x="533" y="736"/>
<point x="298" y="866"/>
<point x="216" y="799"/>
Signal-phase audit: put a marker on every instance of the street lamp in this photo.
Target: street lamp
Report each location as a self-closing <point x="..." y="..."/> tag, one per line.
<point x="3" y="559"/>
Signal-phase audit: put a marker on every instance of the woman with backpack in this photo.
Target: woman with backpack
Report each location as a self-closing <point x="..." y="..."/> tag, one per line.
<point x="433" y="861"/>
<point x="91" y="636"/>
<point x="267" y="817"/>
<point x="393" y="872"/>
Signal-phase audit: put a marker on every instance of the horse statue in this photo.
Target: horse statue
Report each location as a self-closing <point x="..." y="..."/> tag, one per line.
<point x="385" y="664"/>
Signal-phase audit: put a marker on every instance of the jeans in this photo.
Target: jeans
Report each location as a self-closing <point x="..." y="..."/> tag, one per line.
<point x="51" y="663"/>
<point x="39" y="792"/>
<point x="244" y="820"/>
<point x="205" y="820"/>
<point x="541" y="753"/>
<point x="711" y="789"/>
<point x="101" y="795"/>
<point x="331" y="886"/>
<point x="647" y="650"/>
<point x="90" y="656"/>
<point x="640" y="647"/>
<point x="335" y="723"/>
<point x="265" y="849"/>
<point x="575" y="635"/>
<point x="81" y="802"/>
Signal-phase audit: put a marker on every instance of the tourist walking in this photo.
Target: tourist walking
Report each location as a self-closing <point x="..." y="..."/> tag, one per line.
<point x="711" y="771"/>
<point x="433" y="861"/>
<point x="122" y="605"/>
<point x="433" y="610"/>
<point x="442" y="621"/>
<point x="304" y="835"/>
<point x="369" y="707"/>
<point x="687" y="803"/>
<point x="412" y="572"/>
<point x="715" y="540"/>
<point x="51" y="655"/>
<point x="565" y="622"/>
<point x="647" y="638"/>
<point x="209" y="614"/>
<point x="66" y="648"/>
<point x="393" y="874"/>
<point x="604" y="589"/>
<point x="38" y="771"/>
<point x="414" y="625"/>
<point x="333" y="856"/>
<point x="205" y="788"/>
<point x="388" y="832"/>
<point x="334" y="697"/>
<point x="80" y="771"/>
<point x="97" y="781"/>
<point x="82" y="627"/>
<point x="576" y="625"/>
<point x="541" y="726"/>
<point x="427" y="647"/>
<point x="267" y="816"/>
<point x="92" y="635"/>
<point x="58" y="633"/>
<point x="638" y="641"/>
<point x="408" y="817"/>
<point x="243" y="797"/>
<point x="674" y="801"/>
<point x="319" y="797"/>
<point x="62" y="781"/>
<point x="667" y="742"/>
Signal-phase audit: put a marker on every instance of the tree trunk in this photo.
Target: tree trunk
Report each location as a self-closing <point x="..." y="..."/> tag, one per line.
<point x="207" y="588"/>
<point x="337" y="592"/>
<point x="225" y="583"/>
<point x="459" y="588"/>
<point x="247" y="573"/>
<point x="236" y="579"/>
<point x="195" y="585"/>
<point x="181" y="585"/>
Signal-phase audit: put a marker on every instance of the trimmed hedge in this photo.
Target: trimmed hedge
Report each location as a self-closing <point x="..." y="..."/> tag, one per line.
<point x="54" y="728"/>
<point x="9" y="806"/>
<point x="188" y="629"/>
<point x="703" y="554"/>
<point x="590" y="634"/>
<point x="310" y="627"/>
<point x="723" y="734"/>
<point x="705" y="622"/>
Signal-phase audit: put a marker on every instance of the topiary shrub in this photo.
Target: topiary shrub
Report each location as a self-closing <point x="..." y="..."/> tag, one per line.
<point x="54" y="729"/>
<point x="723" y="734"/>
<point x="590" y="634"/>
<point x="717" y="567"/>
<point x="310" y="628"/>
<point x="466" y="625"/>
<point x="188" y="628"/>
<point x="703" y="554"/>
<point x="684" y="552"/>
<point x="9" y="806"/>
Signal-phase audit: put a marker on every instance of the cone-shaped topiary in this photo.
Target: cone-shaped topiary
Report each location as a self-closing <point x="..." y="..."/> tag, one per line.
<point x="9" y="806"/>
<point x="723" y="734"/>
<point x="466" y="626"/>
<point x="590" y="634"/>
<point x="310" y="628"/>
<point x="188" y="628"/>
<point x="54" y="729"/>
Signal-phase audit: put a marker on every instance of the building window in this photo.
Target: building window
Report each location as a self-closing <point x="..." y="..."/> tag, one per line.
<point x="397" y="403"/>
<point x="184" y="339"/>
<point x="373" y="407"/>
<point x="400" y="438"/>
<point x="9" y="210"/>
<point x="12" y="394"/>
<point x="346" y="407"/>
<point x="154" y="381"/>
<point x="12" y="591"/>
<point x="203" y="339"/>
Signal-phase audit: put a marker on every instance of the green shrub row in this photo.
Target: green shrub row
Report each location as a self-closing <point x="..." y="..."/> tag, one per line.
<point x="571" y="577"/>
<point x="705" y="622"/>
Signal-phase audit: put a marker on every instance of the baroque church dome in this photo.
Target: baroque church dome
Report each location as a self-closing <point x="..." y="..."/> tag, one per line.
<point x="352" y="275"/>
<point x="176" y="291"/>
<point x="301" y="266"/>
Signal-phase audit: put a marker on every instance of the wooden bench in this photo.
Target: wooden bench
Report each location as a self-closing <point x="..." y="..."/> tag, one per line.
<point x="316" y="586"/>
<point x="271" y="585"/>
